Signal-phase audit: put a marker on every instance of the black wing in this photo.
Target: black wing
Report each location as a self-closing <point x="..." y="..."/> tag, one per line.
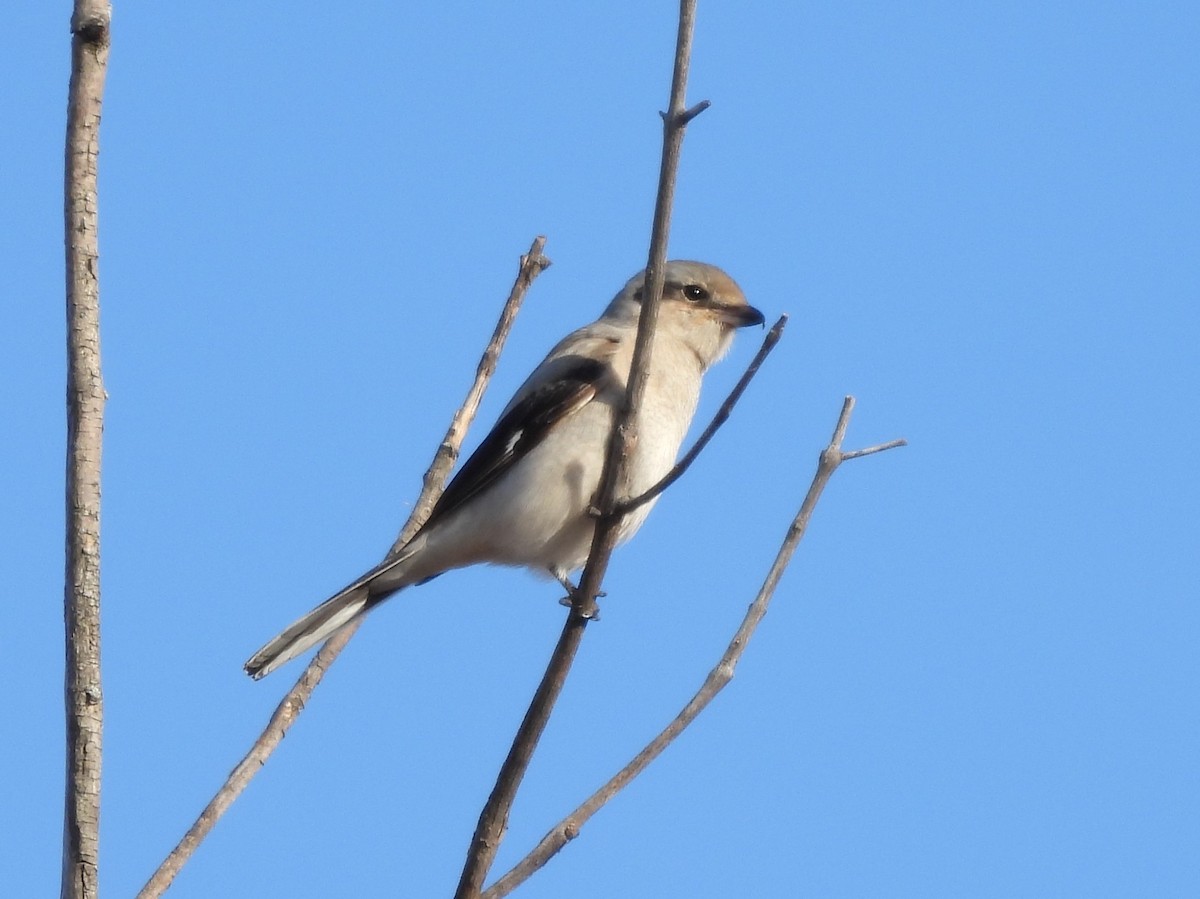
<point x="520" y="429"/>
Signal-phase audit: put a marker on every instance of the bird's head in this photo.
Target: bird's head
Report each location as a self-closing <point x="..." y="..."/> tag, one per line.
<point x="701" y="306"/>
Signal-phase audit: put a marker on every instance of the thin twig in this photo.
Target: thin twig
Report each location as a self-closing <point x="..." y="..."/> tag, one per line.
<point x="493" y="819"/>
<point x="532" y="264"/>
<point x="871" y="450"/>
<point x="719" y="419"/>
<point x="568" y="828"/>
<point x="84" y="697"/>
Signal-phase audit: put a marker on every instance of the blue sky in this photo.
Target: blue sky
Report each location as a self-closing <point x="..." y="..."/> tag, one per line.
<point x="979" y="676"/>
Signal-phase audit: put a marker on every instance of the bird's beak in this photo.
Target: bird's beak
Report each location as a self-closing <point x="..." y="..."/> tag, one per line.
<point x="741" y="316"/>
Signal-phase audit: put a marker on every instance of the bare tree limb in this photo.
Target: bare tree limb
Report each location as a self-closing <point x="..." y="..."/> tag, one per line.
<point x="84" y="698"/>
<point x="719" y="419"/>
<point x="533" y="263"/>
<point x="493" y="819"/>
<point x="568" y="828"/>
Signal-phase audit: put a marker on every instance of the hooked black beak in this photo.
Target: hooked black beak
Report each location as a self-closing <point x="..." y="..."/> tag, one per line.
<point x="741" y="316"/>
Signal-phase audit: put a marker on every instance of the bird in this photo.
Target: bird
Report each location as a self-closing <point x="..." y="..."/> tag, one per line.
<point x="525" y="495"/>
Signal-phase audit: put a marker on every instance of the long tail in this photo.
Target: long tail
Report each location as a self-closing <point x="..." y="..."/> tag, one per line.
<point x="340" y="609"/>
<point x="308" y="631"/>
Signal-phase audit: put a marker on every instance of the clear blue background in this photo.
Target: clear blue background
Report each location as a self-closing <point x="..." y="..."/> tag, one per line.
<point x="979" y="676"/>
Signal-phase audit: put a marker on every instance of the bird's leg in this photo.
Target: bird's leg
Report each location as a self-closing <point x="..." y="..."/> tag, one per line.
<point x="573" y="592"/>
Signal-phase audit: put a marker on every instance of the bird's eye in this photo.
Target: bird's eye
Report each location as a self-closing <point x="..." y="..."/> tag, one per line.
<point x="695" y="293"/>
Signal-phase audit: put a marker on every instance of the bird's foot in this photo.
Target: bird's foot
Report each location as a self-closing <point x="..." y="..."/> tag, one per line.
<point x="573" y="594"/>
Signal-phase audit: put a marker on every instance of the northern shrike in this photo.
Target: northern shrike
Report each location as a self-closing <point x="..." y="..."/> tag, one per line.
<point x="523" y="497"/>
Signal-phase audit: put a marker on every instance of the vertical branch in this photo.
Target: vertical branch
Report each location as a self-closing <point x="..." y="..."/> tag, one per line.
<point x="493" y="820"/>
<point x="85" y="429"/>
<point x="624" y="437"/>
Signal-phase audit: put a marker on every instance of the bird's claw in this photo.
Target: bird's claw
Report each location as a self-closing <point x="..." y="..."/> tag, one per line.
<point x="569" y="602"/>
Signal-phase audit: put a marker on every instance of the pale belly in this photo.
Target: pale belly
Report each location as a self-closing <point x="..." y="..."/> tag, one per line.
<point x="536" y="515"/>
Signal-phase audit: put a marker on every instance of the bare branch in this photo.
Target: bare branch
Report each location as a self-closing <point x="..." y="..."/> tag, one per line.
<point x="567" y="829"/>
<point x="532" y="264"/>
<point x="493" y="820"/>
<point x="84" y="697"/>
<point x="719" y="419"/>
<point x="871" y="450"/>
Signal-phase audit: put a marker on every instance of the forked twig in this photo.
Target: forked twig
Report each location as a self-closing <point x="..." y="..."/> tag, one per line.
<point x="568" y="828"/>
<point x="533" y="263"/>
